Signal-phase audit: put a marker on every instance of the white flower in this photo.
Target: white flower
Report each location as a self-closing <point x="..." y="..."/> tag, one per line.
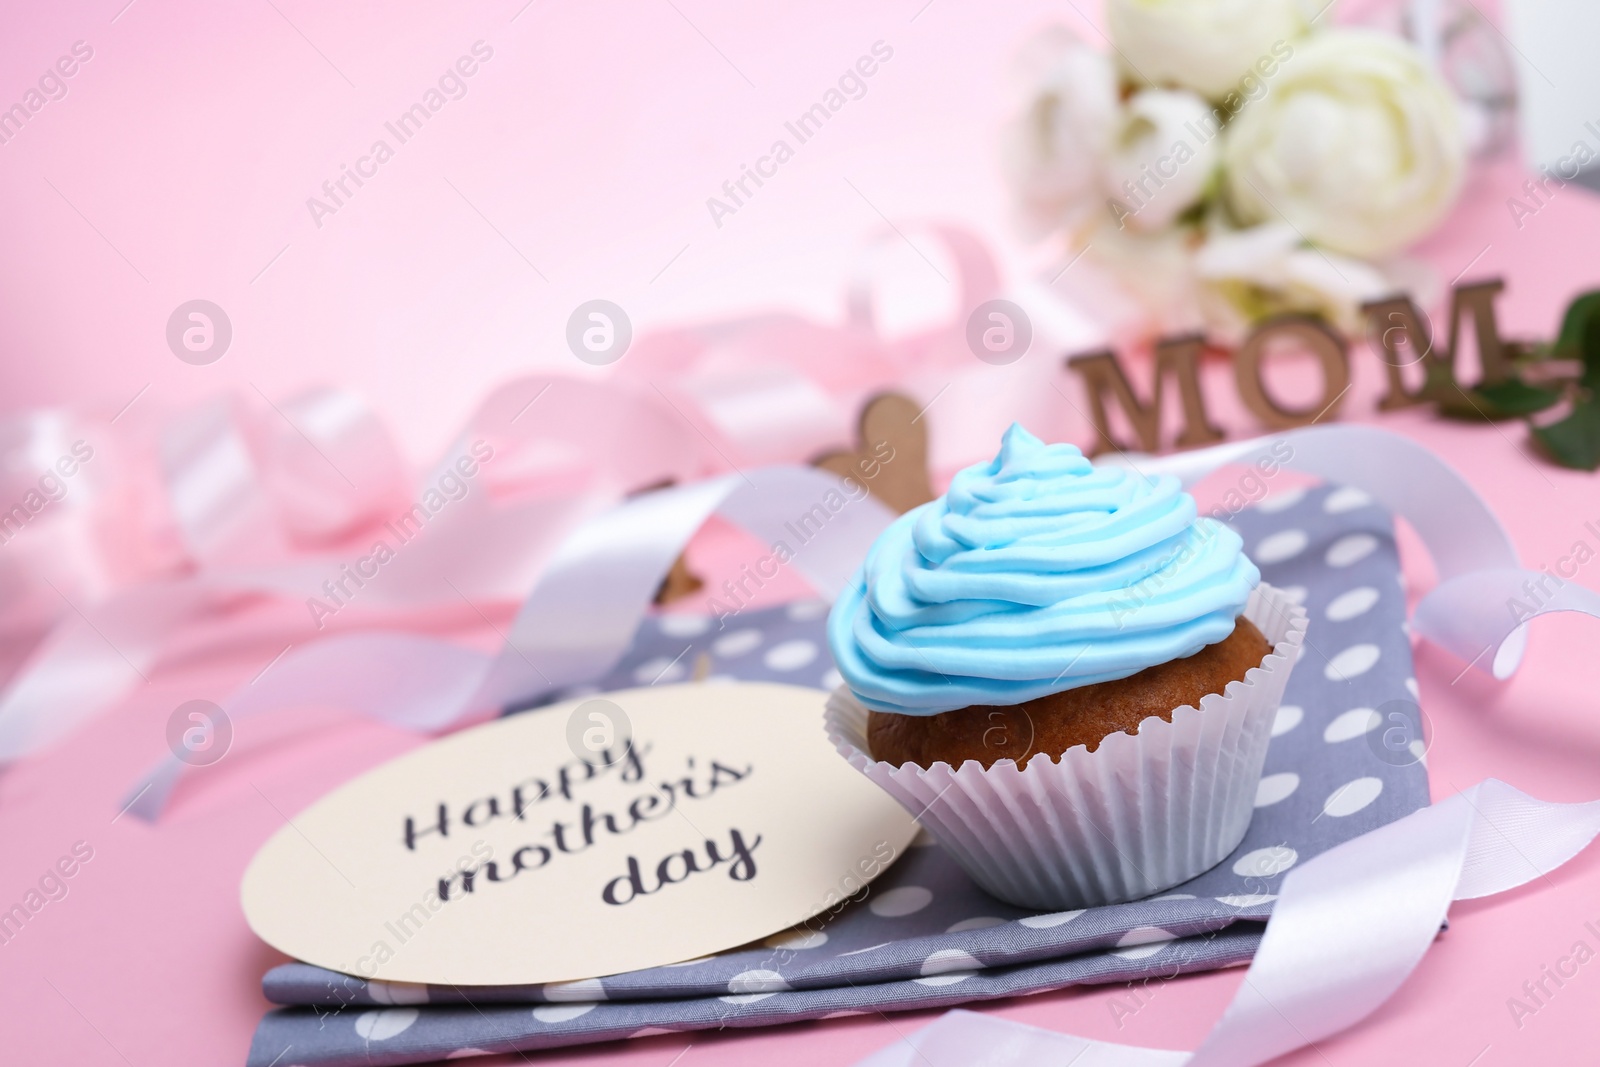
<point x="1211" y="46"/>
<point x="1246" y="275"/>
<point x="1151" y="273"/>
<point x="1161" y="157"/>
<point x="1054" y="150"/>
<point x="1357" y="145"/>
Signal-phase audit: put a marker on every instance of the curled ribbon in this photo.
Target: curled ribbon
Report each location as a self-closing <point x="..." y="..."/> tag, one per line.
<point x="579" y="618"/>
<point x="1348" y="928"/>
<point x="242" y="506"/>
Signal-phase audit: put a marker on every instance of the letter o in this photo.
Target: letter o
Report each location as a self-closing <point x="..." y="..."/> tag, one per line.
<point x="1317" y="338"/>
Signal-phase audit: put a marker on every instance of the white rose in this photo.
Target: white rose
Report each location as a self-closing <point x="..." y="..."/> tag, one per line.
<point x="1210" y="46"/>
<point x="1054" y="150"/>
<point x="1357" y="145"/>
<point x="1161" y="157"/>
<point x="1246" y="275"/>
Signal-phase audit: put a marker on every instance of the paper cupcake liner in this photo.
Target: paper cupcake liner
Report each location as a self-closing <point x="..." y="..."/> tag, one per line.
<point x="1142" y="813"/>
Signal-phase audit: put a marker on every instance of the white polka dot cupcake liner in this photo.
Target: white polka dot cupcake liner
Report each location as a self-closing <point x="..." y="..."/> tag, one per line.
<point x="1140" y="814"/>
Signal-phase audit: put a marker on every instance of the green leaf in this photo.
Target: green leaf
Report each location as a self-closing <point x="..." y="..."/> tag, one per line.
<point x="1580" y="336"/>
<point x="1575" y="440"/>
<point x="1513" y="397"/>
<point x="1509" y="399"/>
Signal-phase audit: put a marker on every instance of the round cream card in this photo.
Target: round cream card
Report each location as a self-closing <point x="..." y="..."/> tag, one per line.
<point x="628" y="830"/>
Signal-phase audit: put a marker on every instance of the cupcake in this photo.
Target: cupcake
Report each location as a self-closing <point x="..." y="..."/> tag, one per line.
<point x="1065" y="674"/>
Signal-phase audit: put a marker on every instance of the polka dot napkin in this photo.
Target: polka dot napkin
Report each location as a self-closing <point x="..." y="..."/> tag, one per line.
<point x="1347" y="755"/>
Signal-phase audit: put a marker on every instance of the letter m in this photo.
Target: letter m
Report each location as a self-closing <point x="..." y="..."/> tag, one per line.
<point x="1102" y="373"/>
<point x="1395" y="321"/>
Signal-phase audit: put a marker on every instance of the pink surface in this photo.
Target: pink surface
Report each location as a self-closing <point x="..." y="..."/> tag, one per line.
<point x="178" y="165"/>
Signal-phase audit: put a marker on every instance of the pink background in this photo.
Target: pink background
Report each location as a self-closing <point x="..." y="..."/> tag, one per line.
<point x="178" y="166"/>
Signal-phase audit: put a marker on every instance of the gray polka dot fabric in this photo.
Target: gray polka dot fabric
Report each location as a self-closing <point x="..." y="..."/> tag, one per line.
<point x="1347" y="756"/>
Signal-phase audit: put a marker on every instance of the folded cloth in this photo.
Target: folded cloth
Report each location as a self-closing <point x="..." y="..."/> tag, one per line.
<point x="1347" y="756"/>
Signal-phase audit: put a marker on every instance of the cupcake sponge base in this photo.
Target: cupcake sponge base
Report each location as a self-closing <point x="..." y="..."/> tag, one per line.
<point x="1143" y="812"/>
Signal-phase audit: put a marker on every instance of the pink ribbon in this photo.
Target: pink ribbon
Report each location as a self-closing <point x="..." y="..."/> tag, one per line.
<point x="244" y="502"/>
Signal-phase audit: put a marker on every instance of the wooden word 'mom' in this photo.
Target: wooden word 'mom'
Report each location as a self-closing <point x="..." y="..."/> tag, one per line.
<point x="1397" y="328"/>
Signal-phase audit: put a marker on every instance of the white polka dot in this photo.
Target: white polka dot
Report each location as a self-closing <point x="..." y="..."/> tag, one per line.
<point x="1285" y="544"/>
<point x="979" y="922"/>
<point x="832" y="680"/>
<point x="1346" y="498"/>
<point x="1142" y="941"/>
<point x="659" y="669"/>
<point x="902" y="900"/>
<point x="382" y="1025"/>
<point x="806" y="610"/>
<point x="1352" y="797"/>
<point x="1352" y="662"/>
<point x="1350" y="549"/>
<point x="947" y="967"/>
<point x="737" y="643"/>
<point x="560" y="1013"/>
<point x="797" y="939"/>
<point x="585" y="990"/>
<point x="747" y="987"/>
<point x="398" y="992"/>
<point x="1351" y="724"/>
<point x="835" y="1015"/>
<point x="1287" y="719"/>
<point x="683" y="624"/>
<point x="1411" y="687"/>
<point x="463" y="1053"/>
<point x="1174" y="896"/>
<point x="1265" y="862"/>
<point x="1419" y="751"/>
<point x="1055" y="918"/>
<point x="1276" y="787"/>
<point x="1294" y="594"/>
<point x="790" y="655"/>
<point x="1281" y="501"/>
<point x="1355" y="602"/>
<point x="649" y="1031"/>
<point x="1246" y="900"/>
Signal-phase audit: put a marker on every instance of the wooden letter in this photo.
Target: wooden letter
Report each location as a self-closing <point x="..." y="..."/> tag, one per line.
<point x="1395" y="319"/>
<point x="1315" y="336"/>
<point x="1102" y="373"/>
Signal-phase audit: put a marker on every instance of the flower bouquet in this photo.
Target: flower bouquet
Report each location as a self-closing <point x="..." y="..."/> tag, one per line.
<point x="1226" y="160"/>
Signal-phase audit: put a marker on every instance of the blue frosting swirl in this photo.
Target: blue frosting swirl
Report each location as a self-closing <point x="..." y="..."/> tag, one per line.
<point x="1037" y="572"/>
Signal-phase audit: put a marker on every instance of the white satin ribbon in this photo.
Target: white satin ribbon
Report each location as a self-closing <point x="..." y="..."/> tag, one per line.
<point x="593" y="591"/>
<point x="1347" y="930"/>
<point x="577" y="621"/>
